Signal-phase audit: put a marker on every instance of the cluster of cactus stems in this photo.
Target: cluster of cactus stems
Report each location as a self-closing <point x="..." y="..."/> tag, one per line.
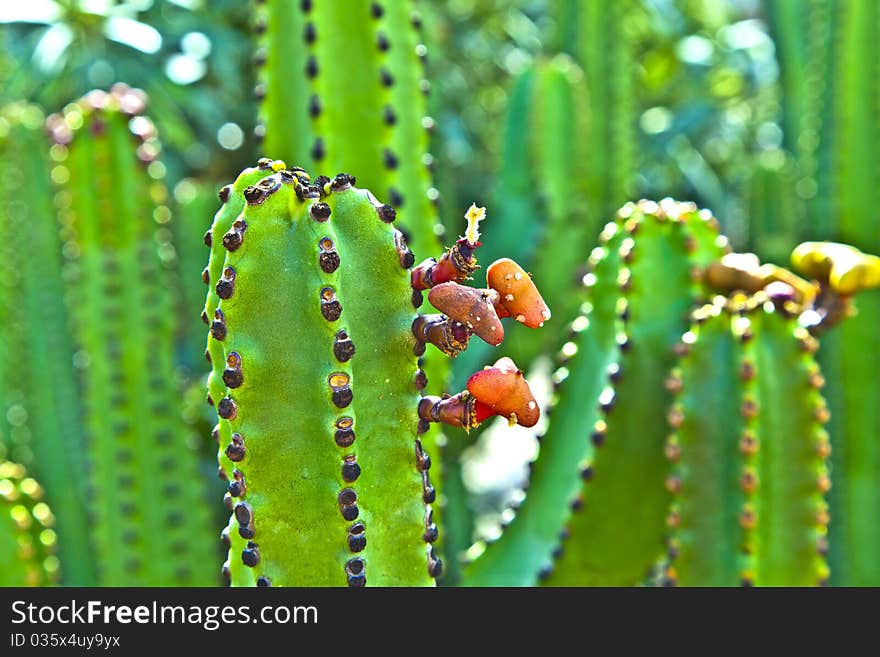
<point x="599" y="455"/>
<point x="729" y="394"/>
<point x="328" y="480"/>
<point x="119" y="316"/>
<point x="28" y="542"/>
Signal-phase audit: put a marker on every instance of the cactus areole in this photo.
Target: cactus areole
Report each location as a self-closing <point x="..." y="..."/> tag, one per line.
<point x="315" y="344"/>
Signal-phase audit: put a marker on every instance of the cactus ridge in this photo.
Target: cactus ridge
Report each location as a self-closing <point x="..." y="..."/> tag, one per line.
<point x="313" y="438"/>
<point x="617" y="529"/>
<point x="122" y="316"/>
<point x="749" y="471"/>
<point x="28" y="541"/>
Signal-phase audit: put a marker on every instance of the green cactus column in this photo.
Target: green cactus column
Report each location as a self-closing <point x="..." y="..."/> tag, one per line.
<point x="851" y="351"/>
<point x="605" y="49"/>
<point x="27" y="539"/>
<point x="748" y="450"/>
<point x="616" y="533"/>
<point x="344" y="88"/>
<point x="316" y="385"/>
<point x="149" y="520"/>
<point x="40" y="407"/>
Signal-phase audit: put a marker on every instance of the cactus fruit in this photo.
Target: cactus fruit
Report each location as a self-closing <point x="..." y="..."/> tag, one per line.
<point x="27" y="539"/>
<point x="111" y="204"/>
<point x="40" y="410"/>
<point x="617" y="358"/>
<point x="748" y="449"/>
<point x="329" y="483"/>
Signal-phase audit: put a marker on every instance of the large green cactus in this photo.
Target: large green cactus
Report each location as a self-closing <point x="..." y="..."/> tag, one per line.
<point x="328" y="479"/>
<point x="149" y="523"/>
<point x="40" y="423"/>
<point x="27" y="539"/>
<point x="345" y="90"/>
<point x="645" y="278"/>
<point x="748" y="449"/>
<point x="316" y="385"/>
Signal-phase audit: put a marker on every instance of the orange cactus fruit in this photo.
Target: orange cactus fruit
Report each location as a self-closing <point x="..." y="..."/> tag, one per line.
<point x="501" y="389"/>
<point x="517" y="294"/>
<point x="471" y="307"/>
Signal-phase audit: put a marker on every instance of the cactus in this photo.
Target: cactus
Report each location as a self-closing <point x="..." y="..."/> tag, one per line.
<point x="314" y="438"/>
<point x="27" y="539"/>
<point x="849" y="353"/>
<point x="40" y="412"/>
<point x="335" y="488"/>
<point x="605" y="49"/>
<point x="615" y="536"/>
<point x="111" y="204"/>
<point x="618" y="357"/>
<point x="802" y="34"/>
<point x="356" y="101"/>
<point x="748" y="450"/>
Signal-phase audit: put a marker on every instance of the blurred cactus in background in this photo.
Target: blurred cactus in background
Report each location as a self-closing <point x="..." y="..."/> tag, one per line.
<point x="673" y="357"/>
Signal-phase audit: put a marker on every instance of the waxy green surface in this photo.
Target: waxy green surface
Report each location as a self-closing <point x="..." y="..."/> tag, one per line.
<point x="285" y="412"/>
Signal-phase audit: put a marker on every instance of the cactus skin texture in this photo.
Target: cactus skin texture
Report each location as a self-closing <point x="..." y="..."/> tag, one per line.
<point x="314" y="437"/>
<point x="111" y="205"/>
<point x="617" y="529"/>
<point x="27" y="539"/>
<point x="40" y="425"/>
<point x="748" y="451"/>
<point x="617" y="355"/>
